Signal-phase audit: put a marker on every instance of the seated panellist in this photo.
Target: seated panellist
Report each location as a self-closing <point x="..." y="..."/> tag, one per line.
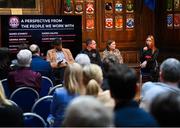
<point x="59" y="58"/>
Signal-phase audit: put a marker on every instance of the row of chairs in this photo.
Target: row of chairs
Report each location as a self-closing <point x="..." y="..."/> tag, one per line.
<point x="27" y="97"/>
<point x="46" y="85"/>
<point x="28" y="100"/>
<point x="38" y="113"/>
<point x="34" y="119"/>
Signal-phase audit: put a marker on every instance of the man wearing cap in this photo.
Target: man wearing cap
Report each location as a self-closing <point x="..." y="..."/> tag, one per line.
<point x="59" y="58"/>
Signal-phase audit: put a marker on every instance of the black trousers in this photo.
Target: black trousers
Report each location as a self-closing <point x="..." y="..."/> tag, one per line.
<point x="59" y="75"/>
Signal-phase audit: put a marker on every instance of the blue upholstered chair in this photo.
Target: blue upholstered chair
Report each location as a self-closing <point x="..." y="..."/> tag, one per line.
<point x="51" y="91"/>
<point x="25" y="97"/>
<point x="33" y="120"/>
<point x="46" y="85"/>
<point x="42" y="106"/>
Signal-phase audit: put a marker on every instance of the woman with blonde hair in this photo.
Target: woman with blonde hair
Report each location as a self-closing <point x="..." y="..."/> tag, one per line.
<point x="73" y="86"/>
<point x="12" y="116"/>
<point x="93" y="79"/>
<point x="148" y="58"/>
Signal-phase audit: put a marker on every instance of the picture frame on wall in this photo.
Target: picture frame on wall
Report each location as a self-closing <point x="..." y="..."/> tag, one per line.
<point x="27" y="6"/>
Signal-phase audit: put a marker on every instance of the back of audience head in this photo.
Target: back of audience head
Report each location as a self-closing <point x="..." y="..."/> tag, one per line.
<point x="92" y="88"/>
<point x="92" y="77"/>
<point x="86" y="111"/>
<point x="23" y="46"/>
<point x="170" y="70"/>
<point x="82" y="59"/>
<point x="109" y="61"/>
<point x="34" y="48"/>
<point x="73" y="78"/>
<point x="166" y="109"/>
<point x="24" y="58"/>
<point x="122" y="81"/>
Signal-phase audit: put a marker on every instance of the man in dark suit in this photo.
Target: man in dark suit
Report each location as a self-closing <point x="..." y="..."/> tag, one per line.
<point x="38" y="64"/>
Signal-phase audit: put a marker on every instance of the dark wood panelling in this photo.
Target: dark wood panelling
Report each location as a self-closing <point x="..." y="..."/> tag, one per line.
<point x="51" y="7"/>
<point x="130" y="56"/>
<point x="167" y="40"/>
<point x="127" y="41"/>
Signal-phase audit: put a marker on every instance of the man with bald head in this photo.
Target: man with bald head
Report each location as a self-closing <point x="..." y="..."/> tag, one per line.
<point x="38" y="64"/>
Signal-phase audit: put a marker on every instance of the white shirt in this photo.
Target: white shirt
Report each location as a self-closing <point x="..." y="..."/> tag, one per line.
<point x="60" y="56"/>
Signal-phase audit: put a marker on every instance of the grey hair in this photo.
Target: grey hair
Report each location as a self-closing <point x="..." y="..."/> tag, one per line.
<point x="170" y="69"/>
<point x="82" y="59"/>
<point x="24" y="58"/>
<point x="34" y="48"/>
<point x="87" y="111"/>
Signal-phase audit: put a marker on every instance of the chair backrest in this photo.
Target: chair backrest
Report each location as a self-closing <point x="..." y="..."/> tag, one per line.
<point x="6" y="87"/>
<point x="46" y="84"/>
<point x="33" y="120"/>
<point x="25" y="97"/>
<point x="51" y="91"/>
<point x="13" y="103"/>
<point x="42" y="106"/>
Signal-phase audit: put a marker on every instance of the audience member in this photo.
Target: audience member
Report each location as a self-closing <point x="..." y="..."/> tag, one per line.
<point x="11" y="115"/>
<point x="82" y="59"/>
<point x="166" y="109"/>
<point x="14" y="63"/>
<point x="92" y="52"/>
<point x="93" y="78"/>
<point x="24" y="76"/>
<point x="23" y="46"/>
<point x="111" y="49"/>
<point x="169" y="79"/>
<point x="122" y="81"/>
<point x="59" y="58"/>
<point x="148" y="58"/>
<point x="108" y="62"/>
<point x="86" y="111"/>
<point x="4" y="62"/>
<point x="62" y="96"/>
<point x="38" y="64"/>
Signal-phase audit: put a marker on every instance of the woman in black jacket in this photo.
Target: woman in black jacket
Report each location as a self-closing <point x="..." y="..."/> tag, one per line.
<point x="148" y="59"/>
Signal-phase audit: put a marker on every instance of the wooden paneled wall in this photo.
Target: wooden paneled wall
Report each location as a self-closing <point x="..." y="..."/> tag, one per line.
<point x="167" y="39"/>
<point x="129" y="43"/>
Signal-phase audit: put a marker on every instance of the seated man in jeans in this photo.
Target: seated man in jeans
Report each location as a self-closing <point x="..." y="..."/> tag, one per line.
<point x="59" y="58"/>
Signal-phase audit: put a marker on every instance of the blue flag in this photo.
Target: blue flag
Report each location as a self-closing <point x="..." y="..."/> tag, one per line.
<point x="150" y="4"/>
